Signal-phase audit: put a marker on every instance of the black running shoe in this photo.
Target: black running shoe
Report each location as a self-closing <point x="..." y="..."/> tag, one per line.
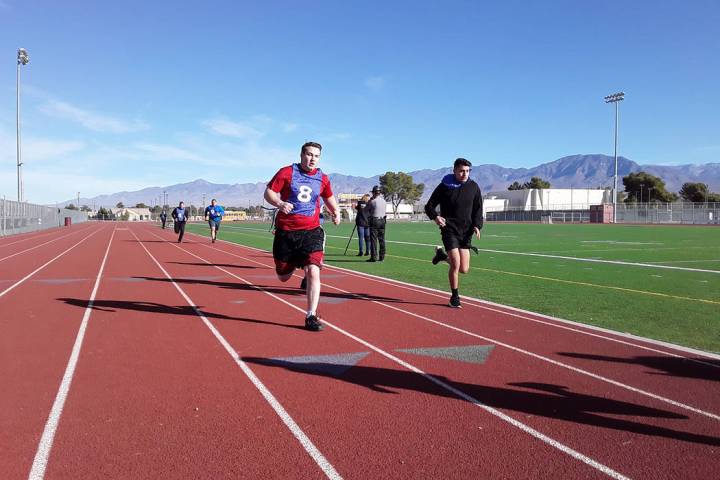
<point x="440" y="255"/>
<point x="359" y="254"/>
<point x="303" y="284"/>
<point x="371" y="259"/>
<point x="455" y="301"/>
<point x="312" y="323"/>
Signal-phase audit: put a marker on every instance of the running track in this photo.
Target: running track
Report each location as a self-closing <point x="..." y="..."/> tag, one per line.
<point x="126" y="355"/>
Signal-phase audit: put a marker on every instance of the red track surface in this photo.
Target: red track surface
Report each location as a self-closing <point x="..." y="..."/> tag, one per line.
<point x="156" y="394"/>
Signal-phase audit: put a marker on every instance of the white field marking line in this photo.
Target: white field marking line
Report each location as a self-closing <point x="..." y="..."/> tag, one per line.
<point x="686" y="261"/>
<point x="525" y="317"/>
<point x="297" y="432"/>
<point x="522" y="351"/>
<point x="618" y="242"/>
<point x="482" y="304"/>
<point x="561" y="257"/>
<point x="462" y="395"/>
<point x="40" y="245"/>
<point x="46" y="441"/>
<point x="11" y="287"/>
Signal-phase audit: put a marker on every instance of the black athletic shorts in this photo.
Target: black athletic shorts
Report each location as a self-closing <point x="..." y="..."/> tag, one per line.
<point x="297" y="248"/>
<point x="451" y="239"/>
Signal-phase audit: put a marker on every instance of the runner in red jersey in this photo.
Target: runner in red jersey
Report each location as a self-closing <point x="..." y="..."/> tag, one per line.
<point x="299" y="239"/>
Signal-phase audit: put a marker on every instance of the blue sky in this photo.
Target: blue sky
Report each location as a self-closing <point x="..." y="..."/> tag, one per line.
<point x="124" y="95"/>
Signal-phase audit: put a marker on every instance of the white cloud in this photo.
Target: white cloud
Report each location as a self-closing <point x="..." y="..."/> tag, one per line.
<point x="91" y="120"/>
<point x="289" y="127"/>
<point x="229" y="128"/>
<point x="376" y="82"/>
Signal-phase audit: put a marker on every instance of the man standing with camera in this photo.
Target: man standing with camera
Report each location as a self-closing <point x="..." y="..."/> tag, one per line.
<point x="376" y="210"/>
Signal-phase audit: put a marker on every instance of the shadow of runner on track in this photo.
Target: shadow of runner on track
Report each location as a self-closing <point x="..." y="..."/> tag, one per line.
<point x="152" y="307"/>
<point x="545" y="400"/>
<point x="669" y="366"/>
<point x="287" y="290"/>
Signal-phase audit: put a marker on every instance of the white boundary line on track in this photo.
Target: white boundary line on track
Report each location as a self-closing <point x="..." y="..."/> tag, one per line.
<point x="514" y="348"/>
<point x="523" y="314"/>
<point x="46" y="441"/>
<point x="40" y="245"/>
<point x="561" y="257"/>
<point x="11" y="287"/>
<point x="294" y="428"/>
<point x="28" y="237"/>
<point x="459" y="393"/>
<point x="579" y="326"/>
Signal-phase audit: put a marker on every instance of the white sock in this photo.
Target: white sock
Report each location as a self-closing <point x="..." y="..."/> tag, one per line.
<point x="309" y="312"/>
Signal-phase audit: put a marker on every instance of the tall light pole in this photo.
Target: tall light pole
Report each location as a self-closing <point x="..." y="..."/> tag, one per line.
<point x="22" y="59"/>
<point x="615" y="98"/>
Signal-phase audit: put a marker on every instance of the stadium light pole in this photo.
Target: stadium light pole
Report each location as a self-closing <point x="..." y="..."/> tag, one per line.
<point x="22" y="59"/>
<point x="615" y="98"/>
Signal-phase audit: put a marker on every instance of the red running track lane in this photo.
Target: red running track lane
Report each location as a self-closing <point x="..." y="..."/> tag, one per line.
<point x="37" y="335"/>
<point x="662" y="427"/>
<point x="32" y="248"/>
<point x="30" y="243"/>
<point x="156" y="396"/>
<point x="377" y="420"/>
<point x="366" y="432"/>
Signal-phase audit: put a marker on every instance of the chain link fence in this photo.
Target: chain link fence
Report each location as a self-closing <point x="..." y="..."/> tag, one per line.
<point x="21" y="217"/>
<point x="680" y="212"/>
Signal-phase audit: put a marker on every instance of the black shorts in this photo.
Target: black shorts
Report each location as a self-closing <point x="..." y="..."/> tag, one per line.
<point x="298" y="248"/>
<point x="451" y="239"/>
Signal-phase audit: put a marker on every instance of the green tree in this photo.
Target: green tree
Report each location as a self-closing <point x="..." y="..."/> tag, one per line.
<point x="399" y="187"/>
<point x="536" y="182"/>
<point x="694" y="192"/>
<point x="120" y="205"/>
<point x="141" y="205"/>
<point x="515" y="186"/>
<point x="71" y="206"/>
<point x="652" y="188"/>
<point x="125" y="216"/>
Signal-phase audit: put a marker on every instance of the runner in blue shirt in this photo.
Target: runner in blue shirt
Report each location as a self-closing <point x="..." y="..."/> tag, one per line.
<point x="214" y="214"/>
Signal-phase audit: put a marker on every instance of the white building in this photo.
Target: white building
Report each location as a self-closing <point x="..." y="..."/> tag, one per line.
<point x="545" y="199"/>
<point x="133" y="214"/>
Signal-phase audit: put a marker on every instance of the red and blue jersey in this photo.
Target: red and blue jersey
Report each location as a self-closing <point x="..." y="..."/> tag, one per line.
<point x="302" y="189"/>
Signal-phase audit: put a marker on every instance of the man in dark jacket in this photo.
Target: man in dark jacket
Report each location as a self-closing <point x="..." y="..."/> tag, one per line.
<point x="180" y="216"/>
<point x="461" y="217"/>
<point x="363" y="228"/>
<point x="163" y="218"/>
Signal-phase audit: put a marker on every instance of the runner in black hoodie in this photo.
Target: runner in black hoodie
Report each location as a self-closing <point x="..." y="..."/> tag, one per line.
<point x="461" y="216"/>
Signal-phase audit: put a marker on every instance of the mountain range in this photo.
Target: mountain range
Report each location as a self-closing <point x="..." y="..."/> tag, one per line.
<point x="579" y="171"/>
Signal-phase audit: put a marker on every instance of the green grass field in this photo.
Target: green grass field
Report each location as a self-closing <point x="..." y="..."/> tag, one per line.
<point x="678" y="306"/>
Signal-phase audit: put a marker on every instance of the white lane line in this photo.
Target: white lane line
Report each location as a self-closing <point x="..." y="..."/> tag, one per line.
<point x="297" y="432"/>
<point x="462" y="395"/>
<point x="45" y="446"/>
<point x="517" y="349"/>
<point x="11" y="287"/>
<point x="522" y="314"/>
<point x="528" y="254"/>
<point x="38" y="246"/>
<point x="28" y="237"/>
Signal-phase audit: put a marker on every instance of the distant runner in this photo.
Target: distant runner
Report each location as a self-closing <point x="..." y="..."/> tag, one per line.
<point x="461" y="216"/>
<point x="299" y="239"/>
<point x="213" y="215"/>
<point x="179" y="215"/>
